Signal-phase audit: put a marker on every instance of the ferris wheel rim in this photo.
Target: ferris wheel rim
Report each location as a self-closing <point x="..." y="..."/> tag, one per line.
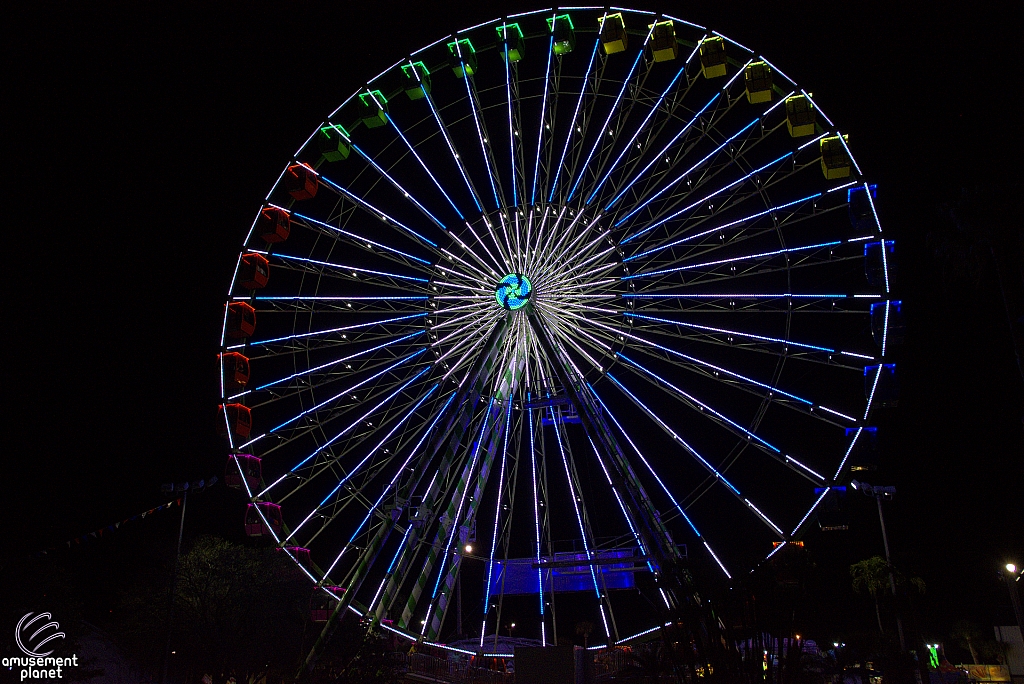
<point x="579" y="330"/>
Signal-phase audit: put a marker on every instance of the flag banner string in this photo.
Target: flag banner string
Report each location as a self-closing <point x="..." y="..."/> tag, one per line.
<point x="113" y="527"/>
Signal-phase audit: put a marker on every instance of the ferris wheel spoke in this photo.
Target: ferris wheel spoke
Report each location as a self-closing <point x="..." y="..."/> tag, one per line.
<point x="586" y="536"/>
<point x="663" y="218"/>
<point x="675" y="502"/>
<point x="348" y="429"/>
<point x="759" y="302"/>
<point x="343" y="304"/>
<point x="448" y="141"/>
<point x="347" y="391"/>
<point x="741" y="225"/>
<point x="622" y="507"/>
<point x="391" y="253"/>
<point x="330" y="371"/>
<point x="390" y="179"/>
<point x="480" y="268"/>
<point x="373" y="211"/>
<point x="708" y="267"/>
<point x="340" y="404"/>
<point x="646" y="196"/>
<point x="485" y="146"/>
<point x="759" y="343"/>
<point x="351" y="473"/>
<point x="408" y="319"/>
<point x="644" y="173"/>
<point x="423" y="165"/>
<point x="723" y="421"/>
<point x="330" y="269"/>
<point x="514" y="123"/>
<point x="641" y="128"/>
<point x="546" y="116"/>
<point x="713" y="371"/>
<point x="573" y="128"/>
<point x="298" y="349"/>
<point x="718" y="476"/>
<point x="613" y="134"/>
<point x="370" y="551"/>
<point x="767" y="391"/>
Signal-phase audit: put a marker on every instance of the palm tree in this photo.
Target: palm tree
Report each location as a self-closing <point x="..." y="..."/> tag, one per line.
<point x="871" y="575"/>
<point x="877" y="577"/>
<point x="967" y="635"/>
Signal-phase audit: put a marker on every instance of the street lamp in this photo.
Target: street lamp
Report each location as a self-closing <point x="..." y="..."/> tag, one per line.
<point x="879" y="493"/>
<point x="182" y="488"/>
<point x="1012" y="576"/>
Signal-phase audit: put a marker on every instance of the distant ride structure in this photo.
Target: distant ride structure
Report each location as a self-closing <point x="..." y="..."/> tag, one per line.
<point x="544" y="305"/>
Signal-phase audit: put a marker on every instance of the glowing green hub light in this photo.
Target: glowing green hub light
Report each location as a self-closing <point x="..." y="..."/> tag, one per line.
<point x="513" y="291"/>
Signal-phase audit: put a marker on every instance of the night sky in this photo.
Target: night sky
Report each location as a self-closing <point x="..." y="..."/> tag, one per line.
<point x="140" y="140"/>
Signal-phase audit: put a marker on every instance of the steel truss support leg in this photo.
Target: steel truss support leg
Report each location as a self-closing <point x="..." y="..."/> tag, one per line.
<point x="463" y="408"/>
<point x="686" y="605"/>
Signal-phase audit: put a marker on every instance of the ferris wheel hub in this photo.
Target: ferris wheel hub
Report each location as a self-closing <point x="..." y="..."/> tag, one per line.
<point x="513" y="291"/>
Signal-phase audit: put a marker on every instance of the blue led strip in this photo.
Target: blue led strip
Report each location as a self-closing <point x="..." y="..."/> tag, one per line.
<point x="697" y="401"/>
<point x="572" y="125"/>
<point x="639" y="129"/>
<point x="337" y="361"/>
<point x="355" y="326"/>
<point x="751" y="217"/>
<point x="341" y="434"/>
<point x="358" y="466"/>
<point x="724" y="331"/>
<point x="687" y="208"/>
<point x="375" y="211"/>
<point x="359" y="238"/>
<point x="355" y="269"/>
<point x="447" y="139"/>
<point x="349" y="390"/>
<point x="675" y="503"/>
<point x="543" y="110"/>
<point x="423" y="164"/>
<point x="746" y="257"/>
<point x="690" y="170"/>
<point x="693" y="452"/>
<point x="479" y="130"/>
<point x="511" y="133"/>
<point x="658" y="156"/>
<point x="611" y="113"/>
<point x="399" y="187"/>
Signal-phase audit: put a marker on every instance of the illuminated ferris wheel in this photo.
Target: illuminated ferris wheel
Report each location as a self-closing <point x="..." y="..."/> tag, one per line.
<point x="548" y="309"/>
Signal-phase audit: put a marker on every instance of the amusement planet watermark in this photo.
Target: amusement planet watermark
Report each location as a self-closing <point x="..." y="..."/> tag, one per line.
<point x="33" y="633"/>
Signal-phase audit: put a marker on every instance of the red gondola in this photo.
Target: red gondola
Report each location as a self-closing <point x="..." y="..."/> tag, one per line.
<point x="274" y="225"/>
<point x="253" y="271"/>
<point x="265" y="525"/>
<point x="236" y="418"/>
<point x="323" y="602"/>
<point x="300" y="180"/>
<point x="241" y="320"/>
<point x="236" y="370"/>
<point x="243" y="467"/>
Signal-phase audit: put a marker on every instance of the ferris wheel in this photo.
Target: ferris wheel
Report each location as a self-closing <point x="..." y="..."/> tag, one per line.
<point x="554" y="304"/>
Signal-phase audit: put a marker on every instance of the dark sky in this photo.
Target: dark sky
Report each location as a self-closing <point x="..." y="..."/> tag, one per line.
<point x="140" y="140"/>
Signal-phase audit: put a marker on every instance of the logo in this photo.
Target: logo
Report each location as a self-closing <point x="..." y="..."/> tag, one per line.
<point x="33" y="634"/>
<point x="31" y="643"/>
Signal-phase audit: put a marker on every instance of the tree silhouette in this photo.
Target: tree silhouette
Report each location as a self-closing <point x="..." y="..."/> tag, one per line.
<point x="873" y="576"/>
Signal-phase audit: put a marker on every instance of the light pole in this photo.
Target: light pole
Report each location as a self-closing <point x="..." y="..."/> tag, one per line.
<point x="880" y="493"/>
<point x="183" y="488"/>
<point x="1012" y="575"/>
